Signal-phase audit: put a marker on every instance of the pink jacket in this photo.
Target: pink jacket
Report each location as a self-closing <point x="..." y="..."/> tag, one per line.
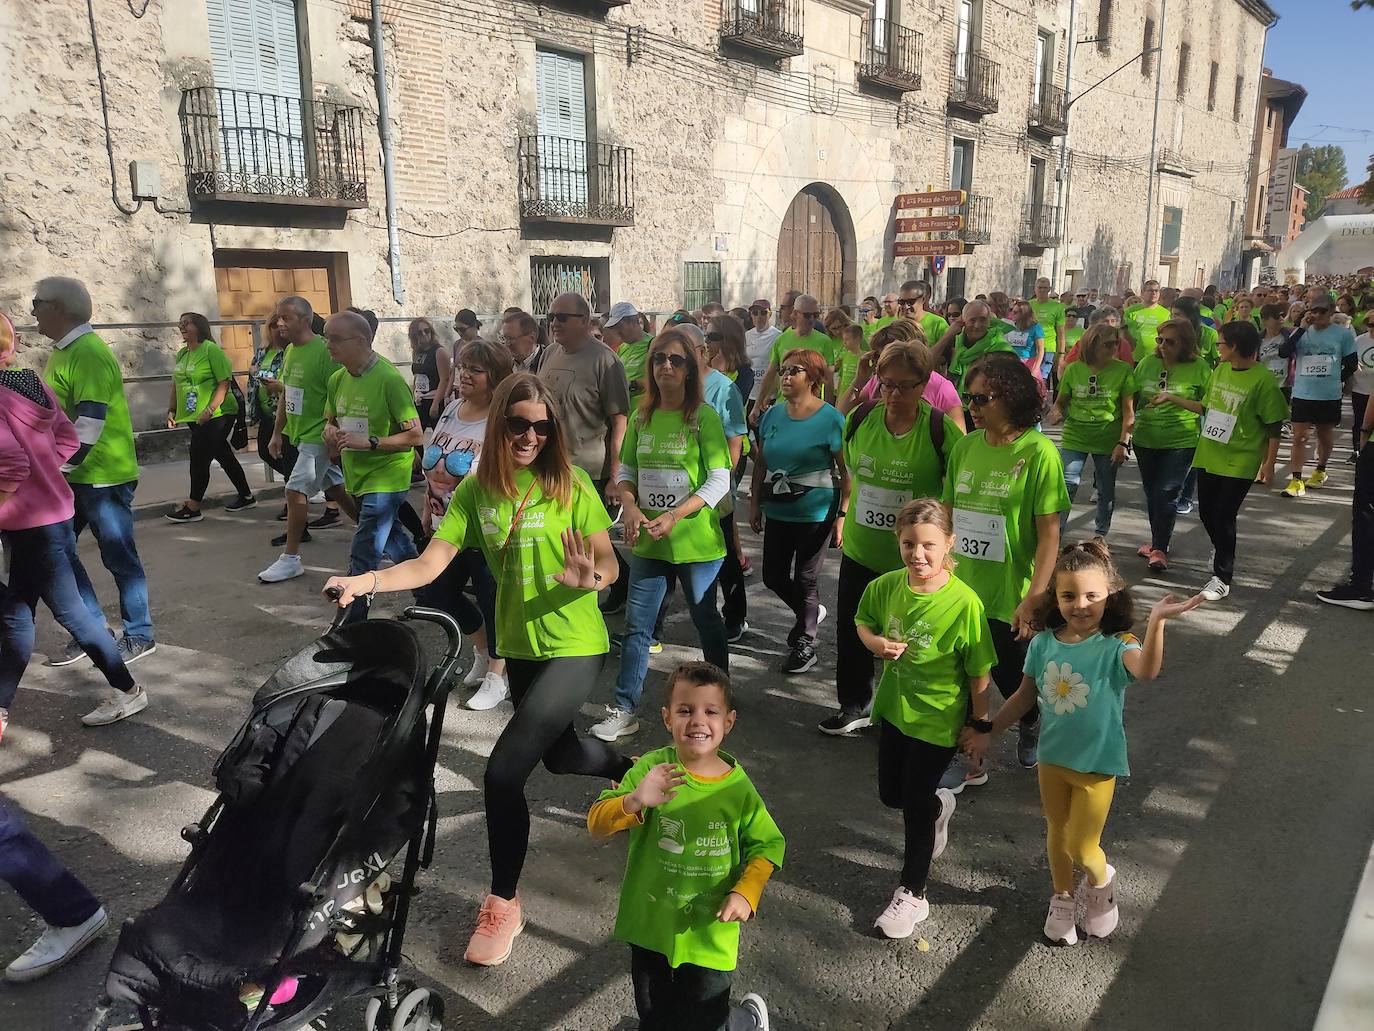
<point x="34" y="443"/>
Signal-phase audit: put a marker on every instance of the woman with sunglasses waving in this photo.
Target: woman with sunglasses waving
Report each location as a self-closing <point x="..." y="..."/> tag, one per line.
<point x="1005" y="489"/>
<point x="794" y="486"/>
<point x="1097" y="406"/>
<point x="674" y="469"/>
<point x="1169" y="386"/>
<point x="452" y="454"/>
<point x="542" y="527"/>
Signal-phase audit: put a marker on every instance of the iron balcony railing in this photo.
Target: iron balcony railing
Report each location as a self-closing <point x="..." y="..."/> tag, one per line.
<point x="773" y="27"/>
<point x="1049" y="113"/>
<point x="570" y="180"/>
<point x="891" y="55"/>
<point x="1175" y="163"/>
<point x="973" y="83"/>
<point x="977" y="212"/>
<point x="1039" y="226"/>
<point x="259" y="147"/>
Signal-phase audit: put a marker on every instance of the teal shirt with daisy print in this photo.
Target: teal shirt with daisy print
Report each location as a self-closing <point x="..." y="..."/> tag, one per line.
<point x="1081" y="689"/>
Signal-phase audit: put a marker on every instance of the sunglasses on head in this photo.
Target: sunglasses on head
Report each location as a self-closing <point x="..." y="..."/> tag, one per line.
<point x="518" y="426"/>
<point x="677" y="361"/>
<point x="456" y="463"/>
<point x="977" y="400"/>
<point x="564" y="316"/>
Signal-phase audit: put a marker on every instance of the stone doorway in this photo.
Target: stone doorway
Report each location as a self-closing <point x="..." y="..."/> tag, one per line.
<point x="816" y="246"/>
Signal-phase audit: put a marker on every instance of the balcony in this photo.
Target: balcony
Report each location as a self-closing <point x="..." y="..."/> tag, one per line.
<point x="891" y="56"/>
<point x="977" y="212"/>
<point x="973" y="84"/>
<point x="259" y="148"/>
<point x="1171" y="162"/>
<point x="1039" y="227"/>
<point x="579" y="182"/>
<point x="1049" y="114"/>
<point x="772" y="27"/>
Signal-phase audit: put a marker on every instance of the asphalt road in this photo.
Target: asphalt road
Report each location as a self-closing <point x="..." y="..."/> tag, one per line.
<point x="1239" y="838"/>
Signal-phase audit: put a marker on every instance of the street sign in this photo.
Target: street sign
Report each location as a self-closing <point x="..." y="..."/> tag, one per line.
<point x="930" y="224"/>
<point x="934" y="199"/>
<point x="920" y="248"/>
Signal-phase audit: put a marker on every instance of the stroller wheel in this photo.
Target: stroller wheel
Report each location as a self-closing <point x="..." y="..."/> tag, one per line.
<point x="421" y="1010"/>
<point x="374" y="1009"/>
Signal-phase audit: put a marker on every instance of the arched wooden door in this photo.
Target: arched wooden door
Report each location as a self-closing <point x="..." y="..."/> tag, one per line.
<point x="812" y="247"/>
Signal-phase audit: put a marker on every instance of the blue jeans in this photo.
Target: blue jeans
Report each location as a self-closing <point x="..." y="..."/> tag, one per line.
<point x="379" y="534"/>
<point x="1105" y="472"/>
<point x="1189" y="491"/>
<point x="43" y="566"/>
<point x="49" y="888"/>
<point x="109" y="512"/>
<point x="648" y="585"/>
<point x="1163" y="472"/>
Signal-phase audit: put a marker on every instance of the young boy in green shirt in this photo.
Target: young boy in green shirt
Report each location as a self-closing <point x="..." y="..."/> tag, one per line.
<point x="702" y="847"/>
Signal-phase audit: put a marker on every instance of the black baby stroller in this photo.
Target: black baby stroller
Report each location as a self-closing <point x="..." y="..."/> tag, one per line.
<point x="288" y="903"/>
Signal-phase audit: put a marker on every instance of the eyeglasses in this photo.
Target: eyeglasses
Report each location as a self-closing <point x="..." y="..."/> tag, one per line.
<point x="1092" y="385"/>
<point x="472" y="370"/>
<point x="677" y="361"/>
<point x="518" y="426"/>
<point x="793" y="370"/>
<point x="564" y="316"/>
<point x="978" y="400"/>
<point x="714" y="338"/>
<point x="1163" y="381"/>
<point x="900" y="388"/>
<point x="1167" y="340"/>
<point x="809" y="314"/>
<point x="758" y="311"/>
<point x="456" y="463"/>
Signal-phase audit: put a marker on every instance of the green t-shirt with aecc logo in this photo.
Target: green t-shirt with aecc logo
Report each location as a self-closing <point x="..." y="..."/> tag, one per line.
<point x="1143" y="323"/>
<point x="536" y="616"/>
<point x="195" y="376"/>
<point x="885" y="472"/>
<point x="1050" y="315"/>
<point x="373" y="404"/>
<point x="1094" y="410"/>
<point x="1240" y="405"/>
<point x="1168" y="426"/>
<point x="996" y="494"/>
<point x="86" y="370"/>
<point x="305" y="375"/>
<point x="924" y="693"/>
<point x="670" y="460"/>
<point x="686" y="857"/>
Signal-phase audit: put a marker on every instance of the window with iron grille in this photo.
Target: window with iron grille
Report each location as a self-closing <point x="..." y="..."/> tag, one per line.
<point x="1240" y="95"/>
<point x="550" y="277"/>
<point x="1104" y="25"/>
<point x="1185" y="51"/>
<point x="1147" y="59"/>
<point x="1212" y="86"/>
<point x="954" y="282"/>
<point x="700" y="283"/>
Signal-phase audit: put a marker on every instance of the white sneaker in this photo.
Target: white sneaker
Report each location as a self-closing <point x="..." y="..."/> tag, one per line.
<point x="479" y="669"/>
<point x="821" y="614"/>
<point x="902" y="914"/>
<point x="287" y="567"/>
<point x="55" y="946"/>
<point x="116" y="706"/>
<point x="495" y="689"/>
<point x="617" y="724"/>
<point x="318" y="498"/>
<point x="1059" y="923"/>
<point x="1100" y="915"/>
<point x="753" y="1007"/>
<point x="947" y="804"/>
<point x="1215" y="589"/>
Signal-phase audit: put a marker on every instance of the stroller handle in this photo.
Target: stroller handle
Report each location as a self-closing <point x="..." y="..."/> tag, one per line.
<point x="450" y="625"/>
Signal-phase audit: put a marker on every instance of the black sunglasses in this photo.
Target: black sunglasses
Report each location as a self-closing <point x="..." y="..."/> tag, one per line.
<point x="793" y="370"/>
<point x="908" y="305"/>
<point x="714" y="338"/>
<point x="979" y="400"/>
<point x="677" y="361"/>
<point x="564" y="316"/>
<point x="518" y="426"/>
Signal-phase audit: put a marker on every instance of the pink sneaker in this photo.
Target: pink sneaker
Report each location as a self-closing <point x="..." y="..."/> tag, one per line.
<point x="1143" y="551"/>
<point x="1059" y="922"/>
<point x="498" y="922"/>
<point x="1100" y="915"/>
<point x="1159" y="561"/>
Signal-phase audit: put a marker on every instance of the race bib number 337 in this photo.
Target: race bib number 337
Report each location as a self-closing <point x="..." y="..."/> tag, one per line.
<point x="980" y="535"/>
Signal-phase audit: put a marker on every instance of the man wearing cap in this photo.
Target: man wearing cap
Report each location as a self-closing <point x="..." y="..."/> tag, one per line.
<point x="466" y="325"/>
<point x="758" y="341"/>
<point x="623" y="332"/>
<point x="1076" y="318"/>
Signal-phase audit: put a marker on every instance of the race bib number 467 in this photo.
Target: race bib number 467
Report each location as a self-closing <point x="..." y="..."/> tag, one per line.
<point x="1218" y="426"/>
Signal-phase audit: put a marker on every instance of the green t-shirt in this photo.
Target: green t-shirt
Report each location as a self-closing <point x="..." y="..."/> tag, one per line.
<point x="374" y="404"/>
<point x="933" y="326"/>
<point x="846" y="368"/>
<point x="789" y="341"/>
<point x="686" y="857"/>
<point x="925" y="692"/>
<point x="1143" y="324"/>
<point x="305" y="375"/>
<point x="536" y="616"/>
<point x="195" y="376"/>
<point x="635" y="357"/>
<point x="1168" y="425"/>
<point x="966" y="354"/>
<point x="1093" y="415"/>
<point x="1207" y="345"/>
<point x="877" y="324"/>
<point x="1240" y="405"/>
<point x="1050" y="315"/>
<point x="885" y="472"/>
<point x="86" y="370"/>
<point x="667" y="461"/>
<point x="996" y="494"/>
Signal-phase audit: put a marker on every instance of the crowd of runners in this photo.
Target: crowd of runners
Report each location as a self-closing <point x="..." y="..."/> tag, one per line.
<point x="554" y="471"/>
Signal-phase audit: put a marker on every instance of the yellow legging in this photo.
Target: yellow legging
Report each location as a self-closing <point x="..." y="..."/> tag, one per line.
<point x="1076" y="806"/>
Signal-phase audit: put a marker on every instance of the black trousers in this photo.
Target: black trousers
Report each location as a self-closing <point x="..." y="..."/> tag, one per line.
<point x="1219" y="499"/>
<point x="1362" y="523"/>
<point x="792" y="556"/>
<point x="734" y="605"/>
<point x="855" y="665"/>
<point x="281" y="466"/>
<point x="688" y="998"/>
<point x="1011" y="661"/>
<point x="547" y="696"/>
<point x="1358" y="404"/>
<point x="909" y="771"/>
<point x="210" y="443"/>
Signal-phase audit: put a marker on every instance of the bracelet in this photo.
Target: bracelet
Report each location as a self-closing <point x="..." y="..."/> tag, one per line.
<point x="375" y="584"/>
<point x="1124" y="443"/>
<point x="982" y="726"/>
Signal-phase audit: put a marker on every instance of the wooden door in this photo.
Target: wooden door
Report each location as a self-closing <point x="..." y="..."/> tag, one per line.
<point x="247" y="291"/>
<point x="810" y="256"/>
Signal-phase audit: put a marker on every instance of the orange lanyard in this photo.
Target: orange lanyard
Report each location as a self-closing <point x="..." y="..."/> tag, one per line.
<point x="515" y="519"/>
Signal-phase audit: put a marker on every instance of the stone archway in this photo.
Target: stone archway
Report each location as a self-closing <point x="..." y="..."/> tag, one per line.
<point x="816" y="246"/>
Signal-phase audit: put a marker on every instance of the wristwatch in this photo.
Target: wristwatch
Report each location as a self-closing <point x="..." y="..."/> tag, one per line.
<point x="373" y="443"/>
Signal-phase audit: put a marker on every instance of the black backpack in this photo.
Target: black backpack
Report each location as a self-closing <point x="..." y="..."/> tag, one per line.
<point x="937" y="428"/>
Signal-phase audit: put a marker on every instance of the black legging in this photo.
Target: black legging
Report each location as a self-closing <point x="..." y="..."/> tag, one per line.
<point x="1011" y="662"/>
<point x="909" y="771"/>
<point x="1219" y="499"/>
<point x="547" y="696"/>
<point x="1358" y="403"/>
<point x="792" y="556"/>
<point x="210" y="442"/>
<point x="854" y="664"/>
<point x="281" y="466"/>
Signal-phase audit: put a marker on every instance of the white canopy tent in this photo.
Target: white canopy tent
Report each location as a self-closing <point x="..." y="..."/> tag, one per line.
<point x="1333" y="245"/>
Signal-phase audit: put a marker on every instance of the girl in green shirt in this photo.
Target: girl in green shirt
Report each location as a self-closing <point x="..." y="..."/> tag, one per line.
<point x="542" y="527"/>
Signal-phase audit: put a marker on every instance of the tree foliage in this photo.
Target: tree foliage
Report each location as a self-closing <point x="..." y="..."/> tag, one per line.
<point x="1367" y="187"/>
<point x="1321" y="172"/>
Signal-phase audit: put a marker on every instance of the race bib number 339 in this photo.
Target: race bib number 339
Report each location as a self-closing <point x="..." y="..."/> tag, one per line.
<point x="877" y="507"/>
<point x="980" y="535"/>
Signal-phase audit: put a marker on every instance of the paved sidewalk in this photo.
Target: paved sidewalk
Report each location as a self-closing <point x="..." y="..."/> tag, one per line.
<point x="164" y="485"/>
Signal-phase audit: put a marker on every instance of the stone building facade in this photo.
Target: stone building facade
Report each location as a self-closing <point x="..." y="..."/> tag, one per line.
<point x="664" y="151"/>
